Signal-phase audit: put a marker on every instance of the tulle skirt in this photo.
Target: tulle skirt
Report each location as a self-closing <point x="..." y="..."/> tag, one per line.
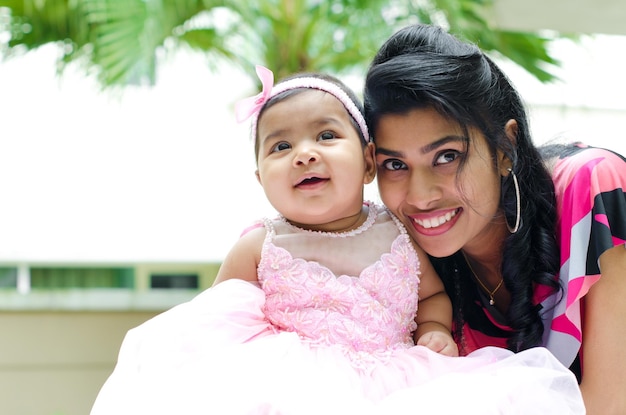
<point x="217" y="354"/>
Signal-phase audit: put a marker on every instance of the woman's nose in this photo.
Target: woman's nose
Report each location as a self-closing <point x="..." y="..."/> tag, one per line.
<point x="423" y="190"/>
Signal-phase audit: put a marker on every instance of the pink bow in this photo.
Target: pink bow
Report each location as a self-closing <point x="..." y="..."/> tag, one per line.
<point x="245" y="108"/>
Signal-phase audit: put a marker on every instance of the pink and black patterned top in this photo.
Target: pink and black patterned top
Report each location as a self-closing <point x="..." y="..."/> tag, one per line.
<point x="590" y="186"/>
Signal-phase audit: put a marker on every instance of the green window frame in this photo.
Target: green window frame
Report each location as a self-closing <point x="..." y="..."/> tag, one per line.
<point x="77" y="277"/>
<point x="8" y="277"/>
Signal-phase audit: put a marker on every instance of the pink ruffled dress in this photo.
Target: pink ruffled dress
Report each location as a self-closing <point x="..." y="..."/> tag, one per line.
<point x="328" y="331"/>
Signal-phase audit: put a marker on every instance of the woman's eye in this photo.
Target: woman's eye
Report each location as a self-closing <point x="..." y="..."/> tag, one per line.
<point x="447" y="157"/>
<point x="394" y="165"/>
<point x="280" y="147"/>
<point x="327" y="135"/>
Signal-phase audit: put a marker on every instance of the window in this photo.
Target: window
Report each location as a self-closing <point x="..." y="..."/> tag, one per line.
<point x="8" y="278"/>
<point x="82" y="278"/>
<point x="184" y="281"/>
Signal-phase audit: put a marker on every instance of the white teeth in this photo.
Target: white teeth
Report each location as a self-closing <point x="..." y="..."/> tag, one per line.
<point x="435" y="222"/>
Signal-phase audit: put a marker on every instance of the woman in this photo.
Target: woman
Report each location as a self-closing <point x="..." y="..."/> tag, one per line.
<point x="530" y="245"/>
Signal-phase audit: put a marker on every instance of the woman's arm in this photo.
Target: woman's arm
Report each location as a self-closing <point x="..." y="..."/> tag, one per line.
<point x="604" y="338"/>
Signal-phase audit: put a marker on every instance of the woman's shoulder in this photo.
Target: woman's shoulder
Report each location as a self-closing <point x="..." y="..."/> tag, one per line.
<point x="577" y="155"/>
<point x="578" y="161"/>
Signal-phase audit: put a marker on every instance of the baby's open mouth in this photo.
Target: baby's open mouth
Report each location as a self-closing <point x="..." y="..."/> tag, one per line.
<point x="311" y="180"/>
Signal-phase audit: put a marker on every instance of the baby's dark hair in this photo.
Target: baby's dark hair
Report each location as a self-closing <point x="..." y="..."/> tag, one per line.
<point x="291" y="92"/>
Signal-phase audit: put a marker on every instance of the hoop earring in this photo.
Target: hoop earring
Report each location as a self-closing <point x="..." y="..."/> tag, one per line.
<point x="518" y="207"/>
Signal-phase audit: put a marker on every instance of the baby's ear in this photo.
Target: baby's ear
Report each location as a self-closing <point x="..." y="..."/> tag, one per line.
<point x="258" y="177"/>
<point x="370" y="163"/>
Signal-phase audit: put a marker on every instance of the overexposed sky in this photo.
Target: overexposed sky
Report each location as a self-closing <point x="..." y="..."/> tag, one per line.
<point x="165" y="174"/>
<point x="588" y="103"/>
<point x="160" y="174"/>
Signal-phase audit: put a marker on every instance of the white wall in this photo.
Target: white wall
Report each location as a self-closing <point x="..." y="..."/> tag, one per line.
<point x="156" y="175"/>
<point x="588" y="103"/>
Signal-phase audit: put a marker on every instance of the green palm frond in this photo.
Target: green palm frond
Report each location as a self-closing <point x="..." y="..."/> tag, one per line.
<point x="35" y="23"/>
<point x="121" y="39"/>
<point x="299" y="35"/>
<point x="466" y="18"/>
<point x="128" y="33"/>
<point x="527" y="50"/>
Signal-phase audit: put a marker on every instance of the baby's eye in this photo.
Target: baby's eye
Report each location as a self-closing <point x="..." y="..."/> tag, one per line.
<point x="394" y="164"/>
<point x="283" y="145"/>
<point x="447" y="157"/>
<point x="327" y="135"/>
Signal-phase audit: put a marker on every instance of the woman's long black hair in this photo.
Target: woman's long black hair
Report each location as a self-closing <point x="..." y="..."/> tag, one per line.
<point x="422" y="66"/>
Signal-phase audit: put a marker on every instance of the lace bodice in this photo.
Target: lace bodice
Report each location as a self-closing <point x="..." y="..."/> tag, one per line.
<point x="358" y="289"/>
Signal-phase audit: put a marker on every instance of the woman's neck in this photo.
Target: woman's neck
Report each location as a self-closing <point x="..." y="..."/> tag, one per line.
<point x="485" y="262"/>
<point x="485" y="254"/>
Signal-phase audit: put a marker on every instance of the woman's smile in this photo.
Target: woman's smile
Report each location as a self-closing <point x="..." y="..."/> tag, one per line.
<point x="434" y="221"/>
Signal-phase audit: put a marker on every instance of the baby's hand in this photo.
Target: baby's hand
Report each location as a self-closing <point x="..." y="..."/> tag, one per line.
<point x="439" y="342"/>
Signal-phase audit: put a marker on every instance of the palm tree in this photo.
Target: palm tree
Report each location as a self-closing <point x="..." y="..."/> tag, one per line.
<point x="120" y="40"/>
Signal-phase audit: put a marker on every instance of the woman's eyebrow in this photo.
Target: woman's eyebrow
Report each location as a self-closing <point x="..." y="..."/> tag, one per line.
<point x="389" y="153"/>
<point x="426" y="149"/>
<point x="442" y="142"/>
